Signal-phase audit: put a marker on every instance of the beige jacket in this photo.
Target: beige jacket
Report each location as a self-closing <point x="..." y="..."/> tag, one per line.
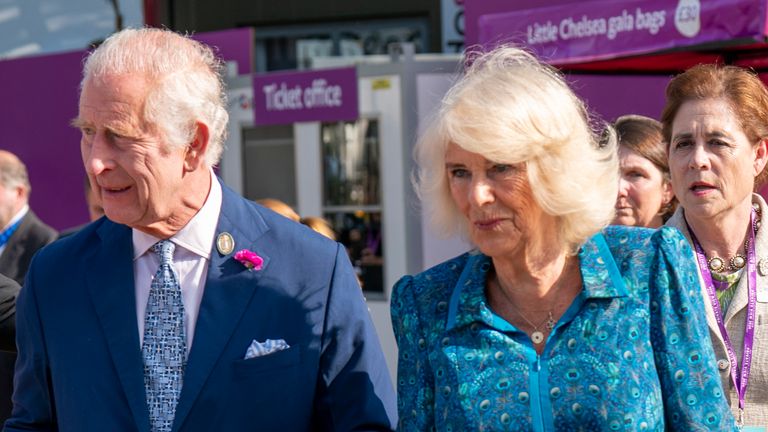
<point x="756" y="412"/>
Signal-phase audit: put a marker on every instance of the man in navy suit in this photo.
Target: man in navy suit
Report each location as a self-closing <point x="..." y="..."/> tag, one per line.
<point x="275" y="337"/>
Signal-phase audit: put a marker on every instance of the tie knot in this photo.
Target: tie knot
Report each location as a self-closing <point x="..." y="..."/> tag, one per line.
<point x="164" y="249"/>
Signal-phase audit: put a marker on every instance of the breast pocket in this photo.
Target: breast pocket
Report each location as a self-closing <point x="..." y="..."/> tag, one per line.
<point x="270" y="362"/>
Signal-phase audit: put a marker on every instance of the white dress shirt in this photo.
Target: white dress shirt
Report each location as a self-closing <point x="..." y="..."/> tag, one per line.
<point x="190" y="261"/>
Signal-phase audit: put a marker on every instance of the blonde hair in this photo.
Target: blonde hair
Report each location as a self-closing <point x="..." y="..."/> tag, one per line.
<point x="280" y="208"/>
<point x="184" y="78"/>
<point x="510" y="108"/>
<point x="319" y="225"/>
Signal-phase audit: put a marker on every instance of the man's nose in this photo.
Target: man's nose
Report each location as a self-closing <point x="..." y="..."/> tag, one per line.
<point x="97" y="156"/>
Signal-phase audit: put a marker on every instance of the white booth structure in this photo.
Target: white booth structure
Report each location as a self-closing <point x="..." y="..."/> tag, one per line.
<point x="337" y="143"/>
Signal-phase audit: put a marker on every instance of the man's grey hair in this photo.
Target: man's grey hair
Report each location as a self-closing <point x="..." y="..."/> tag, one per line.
<point x="184" y="78"/>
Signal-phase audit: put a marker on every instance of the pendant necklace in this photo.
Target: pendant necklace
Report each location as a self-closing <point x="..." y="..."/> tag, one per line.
<point x="537" y="336"/>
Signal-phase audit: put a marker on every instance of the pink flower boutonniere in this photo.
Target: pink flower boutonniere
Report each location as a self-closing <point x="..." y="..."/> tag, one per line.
<point x="250" y="260"/>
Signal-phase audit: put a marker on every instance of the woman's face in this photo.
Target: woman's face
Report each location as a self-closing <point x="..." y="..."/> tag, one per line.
<point x="643" y="191"/>
<point x="495" y="199"/>
<point x="712" y="162"/>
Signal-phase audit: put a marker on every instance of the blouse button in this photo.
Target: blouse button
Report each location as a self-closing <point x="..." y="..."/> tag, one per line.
<point x="723" y="364"/>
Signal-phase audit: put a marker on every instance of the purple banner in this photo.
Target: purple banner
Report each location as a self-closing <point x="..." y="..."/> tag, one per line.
<point x="596" y="30"/>
<point x="474" y="9"/>
<point x="318" y="95"/>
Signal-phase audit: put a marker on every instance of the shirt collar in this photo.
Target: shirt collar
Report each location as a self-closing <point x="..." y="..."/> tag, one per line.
<point x="599" y="276"/>
<point x="17" y="217"/>
<point x="197" y="235"/>
<point x="468" y="301"/>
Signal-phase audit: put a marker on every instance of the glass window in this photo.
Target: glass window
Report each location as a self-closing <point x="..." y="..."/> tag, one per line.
<point x="288" y="47"/>
<point x="269" y="168"/>
<point x="352" y="195"/>
<point x="351" y="163"/>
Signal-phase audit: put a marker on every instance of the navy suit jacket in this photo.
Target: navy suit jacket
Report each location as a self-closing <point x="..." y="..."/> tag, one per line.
<point x="80" y="365"/>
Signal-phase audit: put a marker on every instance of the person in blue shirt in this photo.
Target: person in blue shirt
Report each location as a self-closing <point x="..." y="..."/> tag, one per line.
<point x="553" y="322"/>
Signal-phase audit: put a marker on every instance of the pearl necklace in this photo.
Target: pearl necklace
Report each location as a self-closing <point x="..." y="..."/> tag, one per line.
<point x="738" y="261"/>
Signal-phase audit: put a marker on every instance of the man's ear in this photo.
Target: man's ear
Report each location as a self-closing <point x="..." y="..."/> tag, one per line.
<point x="196" y="149"/>
<point x="22" y="195"/>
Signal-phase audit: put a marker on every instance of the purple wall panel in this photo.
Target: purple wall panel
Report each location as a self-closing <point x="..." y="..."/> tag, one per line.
<point x="234" y="44"/>
<point x="609" y="96"/>
<point x="39" y="99"/>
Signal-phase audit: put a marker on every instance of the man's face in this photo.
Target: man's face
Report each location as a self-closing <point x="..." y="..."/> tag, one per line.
<point x="133" y="171"/>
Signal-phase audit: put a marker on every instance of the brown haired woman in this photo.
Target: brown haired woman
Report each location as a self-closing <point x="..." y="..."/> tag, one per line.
<point x="716" y="124"/>
<point x="645" y="193"/>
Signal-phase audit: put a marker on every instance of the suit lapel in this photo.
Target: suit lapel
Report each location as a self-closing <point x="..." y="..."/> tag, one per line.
<point x="229" y="287"/>
<point x="14" y="248"/>
<point x="110" y="281"/>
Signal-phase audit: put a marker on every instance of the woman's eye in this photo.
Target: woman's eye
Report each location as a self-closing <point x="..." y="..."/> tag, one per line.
<point x="459" y="173"/>
<point x="718" y="143"/>
<point x="682" y="144"/>
<point x="501" y="168"/>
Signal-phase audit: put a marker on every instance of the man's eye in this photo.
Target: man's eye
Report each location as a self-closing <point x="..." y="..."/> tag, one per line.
<point x="115" y="135"/>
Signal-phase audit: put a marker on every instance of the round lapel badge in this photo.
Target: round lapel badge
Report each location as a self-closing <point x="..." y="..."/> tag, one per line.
<point x="762" y="267"/>
<point x="225" y="243"/>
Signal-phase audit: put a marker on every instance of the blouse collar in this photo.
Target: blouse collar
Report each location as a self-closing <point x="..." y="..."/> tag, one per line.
<point x="600" y="278"/>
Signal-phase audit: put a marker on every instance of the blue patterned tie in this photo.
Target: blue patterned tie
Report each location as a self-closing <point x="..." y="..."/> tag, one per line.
<point x="164" y="347"/>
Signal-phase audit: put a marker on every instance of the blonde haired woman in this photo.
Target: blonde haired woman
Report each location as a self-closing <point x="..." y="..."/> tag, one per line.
<point x="553" y="322"/>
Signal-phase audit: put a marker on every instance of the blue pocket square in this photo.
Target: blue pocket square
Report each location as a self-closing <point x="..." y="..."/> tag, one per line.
<point x="258" y="349"/>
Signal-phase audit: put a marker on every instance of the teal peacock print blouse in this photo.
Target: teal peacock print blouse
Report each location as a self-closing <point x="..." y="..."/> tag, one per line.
<point x="631" y="353"/>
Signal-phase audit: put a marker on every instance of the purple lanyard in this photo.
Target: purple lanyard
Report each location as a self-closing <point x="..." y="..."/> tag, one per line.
<point x="740" y="380"/>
